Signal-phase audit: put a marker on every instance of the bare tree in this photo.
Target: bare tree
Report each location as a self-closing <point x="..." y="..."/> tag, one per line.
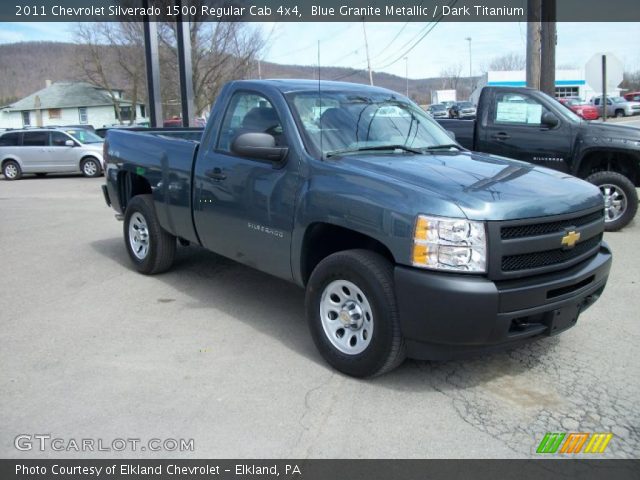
<point x="450" y="76"/>
<point x="220" y="51"/>
<point x="508" y="61"/>
<point x="112" y="51"/>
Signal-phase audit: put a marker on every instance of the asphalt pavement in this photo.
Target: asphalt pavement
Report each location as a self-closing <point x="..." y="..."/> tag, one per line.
<point x="219" y="353"/>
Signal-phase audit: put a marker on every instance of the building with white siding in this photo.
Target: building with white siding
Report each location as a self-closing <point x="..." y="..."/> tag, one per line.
<point x="68" y="103"/>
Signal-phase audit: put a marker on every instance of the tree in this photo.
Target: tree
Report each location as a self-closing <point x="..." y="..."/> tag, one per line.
<point x="111" y="55"/>
<point x="508" y="61"/>
<point x="220" y="52"/>
<point x="450" y="76"/>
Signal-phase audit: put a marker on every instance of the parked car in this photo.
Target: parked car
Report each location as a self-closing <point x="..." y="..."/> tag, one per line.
<point x="407" y="244"/>
<point x="617" y="107"/>
<point x="632" y="97"/>
<point x="438" y="110"/>
<point x="50" y="150"/>
<point x="462" y="110"/>
<point x="580" y="108"/>
<point x="529" y="125"/>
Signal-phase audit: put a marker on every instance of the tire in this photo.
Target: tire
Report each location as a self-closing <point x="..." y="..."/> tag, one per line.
<point x="368" y="301"/>
<point x="619" y="113"/>
<point x="149" y="246"/>
<point x="621" y="198"/>
<point x="11" y="170"/>
<point x="90" y="167"/>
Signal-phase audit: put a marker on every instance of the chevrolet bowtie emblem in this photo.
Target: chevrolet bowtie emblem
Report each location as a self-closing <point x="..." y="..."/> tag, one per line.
<point x="570" y="239"/>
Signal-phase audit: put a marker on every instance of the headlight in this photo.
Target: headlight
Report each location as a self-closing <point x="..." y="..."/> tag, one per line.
<point x="449" y="244"/>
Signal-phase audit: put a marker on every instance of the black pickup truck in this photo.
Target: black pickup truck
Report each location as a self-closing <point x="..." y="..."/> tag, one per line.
<point x="526" y="124"/>
<point x="406" y="243"/>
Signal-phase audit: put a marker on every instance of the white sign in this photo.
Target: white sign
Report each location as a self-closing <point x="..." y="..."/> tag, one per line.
<point x="593" y="72"/>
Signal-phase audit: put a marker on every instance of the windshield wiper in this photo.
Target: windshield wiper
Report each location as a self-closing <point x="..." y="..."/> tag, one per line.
<point x="447" y="146"/>
<point x="374" y="148"/>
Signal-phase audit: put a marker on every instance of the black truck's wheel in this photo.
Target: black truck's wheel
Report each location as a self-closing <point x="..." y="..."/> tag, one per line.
<point x="90" y="167"/>
<point x="150" y="247"/>
<point x="352" y="313"/>
<point x="11" y="170"/>
<point x="620" y="198"/>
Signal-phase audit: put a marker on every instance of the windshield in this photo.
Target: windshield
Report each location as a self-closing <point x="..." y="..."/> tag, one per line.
<point x="438" y="107"/>
<point x="618" y="99"/>
<point x="84" y="136"/>
<point x="338" y="122"/>
<point x="465" y="104"/>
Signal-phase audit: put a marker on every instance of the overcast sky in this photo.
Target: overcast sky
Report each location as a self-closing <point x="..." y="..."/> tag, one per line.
<point x="342" y="44"/>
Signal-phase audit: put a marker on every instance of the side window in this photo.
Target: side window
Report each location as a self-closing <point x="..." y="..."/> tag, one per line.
<point x="249" y="113"/>
<point x="596" y="101"/>
<point x="10" y="139"/>
<point x="35" y="139"/>
<point x="516" y="108"/>
<point x="58" y="139"/>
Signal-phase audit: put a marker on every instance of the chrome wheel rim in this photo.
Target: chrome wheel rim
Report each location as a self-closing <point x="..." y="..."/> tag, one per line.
<point x="90" y="168"/>
<point x="139" y="236"/>
<point x="346" y="316"/>
<point x="11" y="171"/>
<point x="615" y="202"/>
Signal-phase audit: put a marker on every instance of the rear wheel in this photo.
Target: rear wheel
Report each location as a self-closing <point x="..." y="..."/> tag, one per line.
<point x="11" y="170"/>
<point x="90" y="167"/>
<point x="352" y="313"/>
<point x="149" y="246"/>
<point x="620" y="198"/>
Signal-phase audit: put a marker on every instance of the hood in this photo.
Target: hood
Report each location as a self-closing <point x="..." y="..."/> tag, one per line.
<point x="93" y="146"/>
<point x="484" y="187"/>
<point x="607" y="130"/>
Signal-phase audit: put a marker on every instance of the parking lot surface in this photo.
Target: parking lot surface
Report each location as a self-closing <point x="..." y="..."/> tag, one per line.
<point x="219" y="353"/>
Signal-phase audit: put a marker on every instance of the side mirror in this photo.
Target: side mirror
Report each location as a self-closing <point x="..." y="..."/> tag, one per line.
<point x="69" y="143"/>
<point x="549" y="120"/>
<point x="258" y="145"/>
<point x="451" y="134"/>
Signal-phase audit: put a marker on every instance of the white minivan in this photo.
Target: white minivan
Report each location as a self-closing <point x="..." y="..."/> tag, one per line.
<point x="50" y="150"/>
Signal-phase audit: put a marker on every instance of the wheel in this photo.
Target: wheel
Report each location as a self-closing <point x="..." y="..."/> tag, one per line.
<point x="11" y="170"/>
<point x="41" y="174"/>
<point x="150" y="247"/>
<point x="90" y="167"/>
<point x="619" y="113"/>
<point x="352" y="313"/>
<point x="620" y="198"/>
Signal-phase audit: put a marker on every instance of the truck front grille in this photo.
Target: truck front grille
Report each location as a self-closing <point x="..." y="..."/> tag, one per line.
<point x="534" y="246"/>
<point x="530" y="230"/>
<point x="557" y="256"/>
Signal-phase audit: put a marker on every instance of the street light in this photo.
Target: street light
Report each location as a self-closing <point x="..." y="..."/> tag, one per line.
<point x="468" y="39"/>
<point x="406" y="72"/>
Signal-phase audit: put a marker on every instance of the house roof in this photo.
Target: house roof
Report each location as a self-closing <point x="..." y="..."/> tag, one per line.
<point x="66" y="95"/>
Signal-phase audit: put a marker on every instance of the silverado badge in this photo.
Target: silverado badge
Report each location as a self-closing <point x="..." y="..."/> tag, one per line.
<point x="570" y="239"/>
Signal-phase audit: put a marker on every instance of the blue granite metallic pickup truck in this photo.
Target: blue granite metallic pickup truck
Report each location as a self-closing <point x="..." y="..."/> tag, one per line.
<point x="407" y="243"/>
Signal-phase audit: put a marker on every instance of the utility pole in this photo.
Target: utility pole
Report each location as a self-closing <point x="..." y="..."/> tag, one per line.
<point x="406" y="72"/>
<point x="548" y="48"/>
<point x="468" y="39"/>
<point x="533" y="43"/>
<point x="259" y="70"/>
<point x="366" y="46"/>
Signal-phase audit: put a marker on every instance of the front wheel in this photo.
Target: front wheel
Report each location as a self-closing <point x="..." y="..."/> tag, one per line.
<point x="619" y="113"/>
<point x="90" y="167"/>
<point x="620" y="198"/>
<point x="149" y="246"/>
<point x="11" y="170"/>
<point x="352" y="313"/>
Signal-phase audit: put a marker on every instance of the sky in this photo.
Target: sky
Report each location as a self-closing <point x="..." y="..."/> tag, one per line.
<point x="342" y="44"/>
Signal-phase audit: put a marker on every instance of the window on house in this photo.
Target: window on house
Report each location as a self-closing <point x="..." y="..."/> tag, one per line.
<point x="125" y="113"/>
<point x="82" y="115"/>
<point x="26" y="118"/>
<point x="55" y="113"/>
<point x="564" y="92"/>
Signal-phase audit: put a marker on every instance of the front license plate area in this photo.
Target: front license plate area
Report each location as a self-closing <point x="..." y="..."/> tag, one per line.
<point x="562" y="318"/>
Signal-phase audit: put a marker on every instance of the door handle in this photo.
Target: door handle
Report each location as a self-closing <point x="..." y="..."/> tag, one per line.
<point x="216" y="174"/>
<point x="501" y="136"/>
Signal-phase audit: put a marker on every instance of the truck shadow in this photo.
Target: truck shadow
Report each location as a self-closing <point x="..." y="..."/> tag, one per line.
<point x="276" y="308"/>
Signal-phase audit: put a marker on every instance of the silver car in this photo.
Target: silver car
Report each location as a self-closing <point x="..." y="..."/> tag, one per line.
<point x="50" y="150"/>
<point x="617" y="106"/>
